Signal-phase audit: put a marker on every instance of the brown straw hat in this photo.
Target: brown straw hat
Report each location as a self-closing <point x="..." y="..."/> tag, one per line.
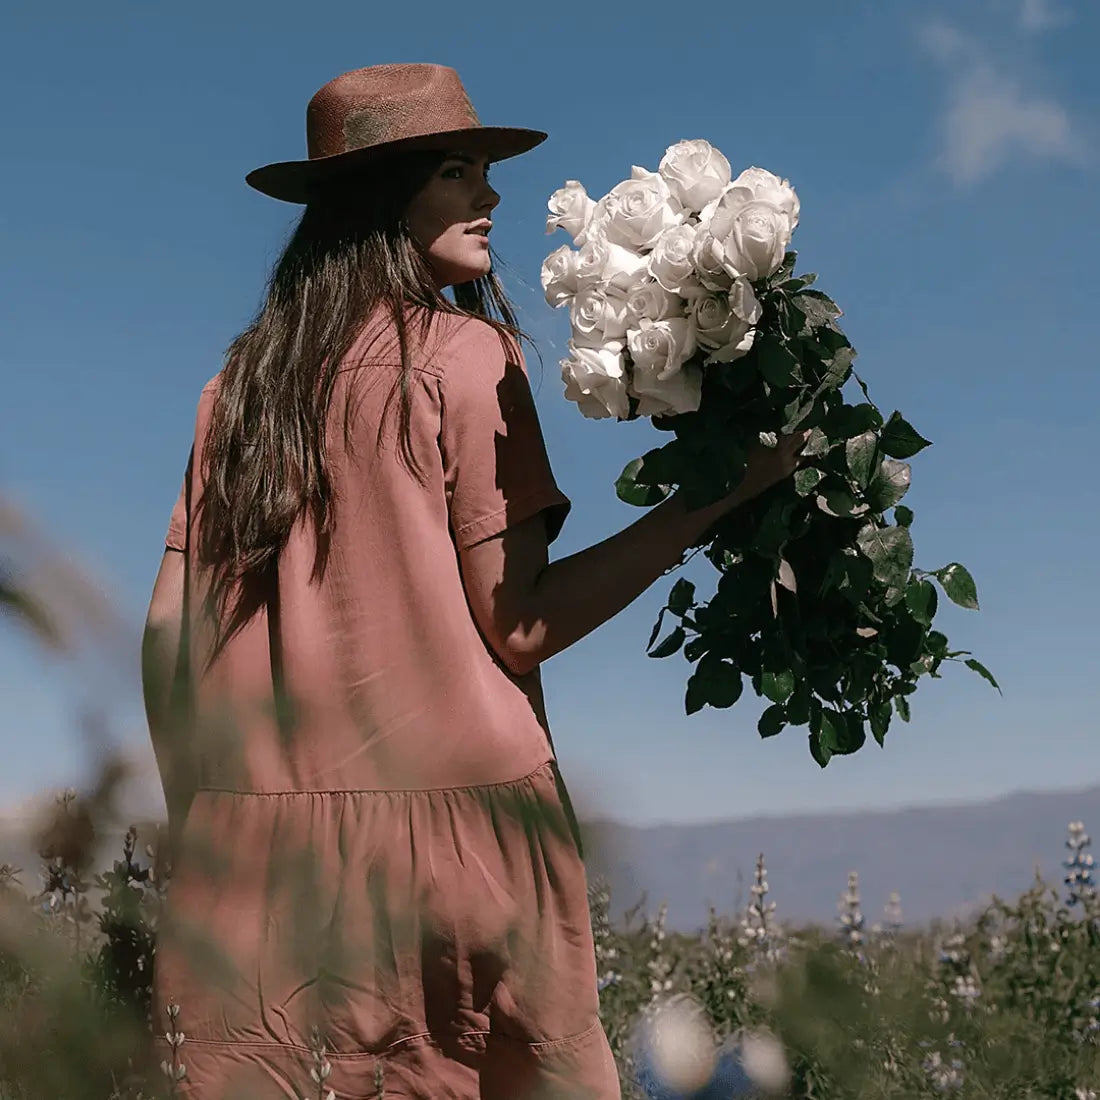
<point x="368" y="113"/>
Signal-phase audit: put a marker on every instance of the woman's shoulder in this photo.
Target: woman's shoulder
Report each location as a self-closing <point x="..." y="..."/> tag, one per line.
<point x="467" y="338"/>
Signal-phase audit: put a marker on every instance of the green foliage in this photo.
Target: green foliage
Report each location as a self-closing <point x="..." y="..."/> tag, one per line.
<point x="1004" y="1006"/>
<point x="819" y="605"/>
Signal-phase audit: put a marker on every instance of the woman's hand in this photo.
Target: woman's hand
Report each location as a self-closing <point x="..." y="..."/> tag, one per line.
<point x="767" y="465"/>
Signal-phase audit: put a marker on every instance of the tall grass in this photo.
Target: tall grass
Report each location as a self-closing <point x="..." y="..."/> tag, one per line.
<point x="1005" y="1005"/>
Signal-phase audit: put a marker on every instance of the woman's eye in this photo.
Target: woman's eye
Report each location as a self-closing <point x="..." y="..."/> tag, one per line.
<point x="447" y="174"/>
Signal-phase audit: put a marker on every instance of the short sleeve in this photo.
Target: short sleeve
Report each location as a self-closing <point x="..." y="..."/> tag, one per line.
<point x="176" y="538"/>
<point x="496" y="469"/>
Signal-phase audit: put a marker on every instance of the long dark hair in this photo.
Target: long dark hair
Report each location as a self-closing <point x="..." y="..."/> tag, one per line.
<point x="264" y="458"/>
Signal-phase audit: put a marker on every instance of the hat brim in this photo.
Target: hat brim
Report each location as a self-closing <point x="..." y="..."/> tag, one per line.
<point x="298" y="180"/>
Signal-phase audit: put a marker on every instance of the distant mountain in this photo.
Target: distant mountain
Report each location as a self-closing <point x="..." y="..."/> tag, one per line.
<point x="942" y="860"/>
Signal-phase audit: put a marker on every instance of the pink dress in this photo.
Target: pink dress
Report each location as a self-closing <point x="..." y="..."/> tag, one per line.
<point x="380" y="845"/>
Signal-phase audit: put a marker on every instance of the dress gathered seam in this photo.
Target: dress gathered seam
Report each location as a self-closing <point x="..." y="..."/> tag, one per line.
<point x="304" y="792"/>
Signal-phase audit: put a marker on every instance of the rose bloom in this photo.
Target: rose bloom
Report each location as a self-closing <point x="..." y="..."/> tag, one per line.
<point x="723" y="322"/>
<point x="559" y="276"/>
<point x="569" y="208"/>
<point x="595" y="378"/>
<point x="671" y="262"/>
<point x="678" y="393"/>
<point x="598" y="314"/>
<point x="650" y="299"/>
<point x="663" y="345"/>
<point x="602" y="261"/>
<point x="751" y="237"/>
<point x="766" y="187"/>
<point x="708" y="266"/>
<point x="639" y="210"/>
<point x="696" y="172"/>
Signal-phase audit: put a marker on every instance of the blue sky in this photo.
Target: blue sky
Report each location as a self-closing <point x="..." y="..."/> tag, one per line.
<point x="946" y="157"/>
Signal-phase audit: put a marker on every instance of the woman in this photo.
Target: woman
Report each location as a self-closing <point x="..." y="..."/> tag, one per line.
<point x="373" y="848"/>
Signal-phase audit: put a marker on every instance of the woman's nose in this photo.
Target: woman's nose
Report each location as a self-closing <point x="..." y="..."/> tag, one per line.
<point x="491" y="197"/>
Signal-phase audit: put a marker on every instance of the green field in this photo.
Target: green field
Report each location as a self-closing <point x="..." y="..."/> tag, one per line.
<point x="1006" y="1005"/>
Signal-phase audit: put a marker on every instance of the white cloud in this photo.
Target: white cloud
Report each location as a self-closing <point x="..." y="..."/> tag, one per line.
<point x="991" y="118"/>
<point x="1039" y="15"/>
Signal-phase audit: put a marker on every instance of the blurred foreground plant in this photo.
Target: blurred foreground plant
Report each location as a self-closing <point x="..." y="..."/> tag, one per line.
<point x="1002" y="1008"/>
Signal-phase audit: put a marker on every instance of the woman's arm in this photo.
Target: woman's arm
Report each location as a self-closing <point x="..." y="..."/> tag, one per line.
<point x="530" y="608"/>
<point x="164" y="679"/>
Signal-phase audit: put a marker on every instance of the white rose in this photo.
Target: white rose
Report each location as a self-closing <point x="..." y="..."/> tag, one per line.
<point x="696" y="172"/>
<point x="662" y="345"/>
<point x="670" y="262"/>
<point x="723" y="322"/>
<point x="639" y="210"/>
<point x="766" y="187"/>
<point x="569" y="208"/>
<point x="596" y="379"/>
<point x="559" y="276"/>
<point x="602" y="261"/>
<point x="708" y="264"/>
<point x="744" y="302"/>
<point x="751" y="236"/>
<point x="650" y="299"/>
<point x="599" y="313"/>
<point x="678" y="393"/>
<point x="596" y="225"/>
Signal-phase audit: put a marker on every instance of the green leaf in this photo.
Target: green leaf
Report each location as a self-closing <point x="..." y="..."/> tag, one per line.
<point x="880" y="721"/>
<point x="890" y="551"/>
<point x="903" y="515"/>
<point x="901" y="705"/>
<point x="846" y="421"/>
<point x="819" y="308"/>
<point x="836" y="502"/>
<point x="786" y="268"/>
<point x="820" y="752"/>
<point x="777" y="686"/>
<point x="863" y="386"/>
<point x="715" y="681"/>
<point x="681" y="597"/>
<point x="921" y="599"/>
<point x="791" y="319"/>
<point x="798" y="707"/>
<point x="671" y="644"/>
<point x="656" y="629"/>
<point x="839" y="369"/>
<point x="832" y="730"/>
<point x="772" y="721"/>
<point x="695" y="648"/>
<point x="630" y="491"/>
<point x="806" y="479"/>
<point x="889" y="485"/>
<point x="817" y="445"/>
<point x="792" y="286"/>
<point x="900" y="439"/>
<point x="982" y="671"/>
<point x="775" y="362"/>
<point x="796" y="417"/>
<point x="959" y="585"/>
<point x="860" y="454"/>
<point x="905" y="641"/>
<point x="843" y="731"/>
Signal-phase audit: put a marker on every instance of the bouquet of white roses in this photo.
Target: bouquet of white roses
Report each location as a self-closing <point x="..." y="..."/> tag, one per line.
<point x="685" y="308"/>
